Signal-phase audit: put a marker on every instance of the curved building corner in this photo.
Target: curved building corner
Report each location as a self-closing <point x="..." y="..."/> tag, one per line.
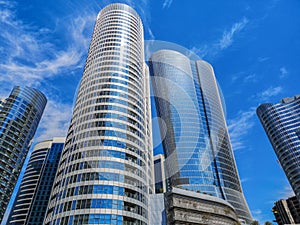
<point x="197" y="148"/>
<point x="281" y="123"/>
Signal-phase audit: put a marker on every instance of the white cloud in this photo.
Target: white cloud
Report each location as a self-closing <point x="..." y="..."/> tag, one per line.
<point x="286" y="193"/>
<point x="263" y="59"/>
<point x="227" y="38"/>
<point x="273" y="3"/>
<point x="234" y="78"/>
<point x="202" y="51"/>
<point x="245" y="77"/>
<point x="55" y="120"/>
<point x="250" y="78"/>
<point x="257" y="212"/>
<point x="258" y="215"/>
<point x="167" y="4"/>
<point x="29" y="57"/>
<point x="239" y="127"/>
<point x="244" y="180"/>
<point x="224" y="42"/>
<point x="270" y="92"/>
<point x="283" y="72"/>
<point x="152" y="37"/>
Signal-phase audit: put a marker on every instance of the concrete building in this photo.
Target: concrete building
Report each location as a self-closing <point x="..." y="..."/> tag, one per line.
<point x="188" y="207"/>
<point x="287" y="211"/>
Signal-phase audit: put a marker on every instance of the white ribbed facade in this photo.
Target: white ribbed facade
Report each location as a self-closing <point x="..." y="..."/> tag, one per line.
<point x="105" y="174"/>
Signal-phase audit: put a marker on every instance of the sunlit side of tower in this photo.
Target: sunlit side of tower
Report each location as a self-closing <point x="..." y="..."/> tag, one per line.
<point x="105" y="174"/>
<point x="195" y="137"/>
<point x="282" y="125"/>
<point x="32" y="199"/>
<point x="20" y="114"/>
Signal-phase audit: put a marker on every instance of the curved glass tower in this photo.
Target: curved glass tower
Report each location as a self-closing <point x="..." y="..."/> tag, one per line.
<point x="20" y="114"/>
<point x="32" y="199"/>
<point x="195" y="137"/>
<point x="282" y="125"/>
<point x="105" y="174"/>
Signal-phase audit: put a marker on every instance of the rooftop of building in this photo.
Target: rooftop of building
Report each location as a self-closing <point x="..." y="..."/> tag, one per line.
<point x="290" y="99"/>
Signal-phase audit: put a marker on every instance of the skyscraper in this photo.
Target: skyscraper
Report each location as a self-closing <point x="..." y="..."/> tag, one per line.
<point x="20" y="114"/>
<point x="105" y="174"/>
<point x="196" y="142"/>
<point x="32" y="199"/>
<point x="282" y="125"/>
<point x="287" y="211"/>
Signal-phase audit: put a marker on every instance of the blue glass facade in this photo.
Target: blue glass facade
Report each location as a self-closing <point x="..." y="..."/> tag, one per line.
<point x="32" y="199"/>
<point x="282" y="125"/>
<point x="195" y="138"/>
<point x="185" y="127"/>
<point x="105" y="174"/>
<point x="20" y="114"/>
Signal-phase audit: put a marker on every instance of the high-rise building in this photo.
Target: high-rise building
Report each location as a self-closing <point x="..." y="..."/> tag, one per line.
<point x="34" y="193"/>
<point x="198" y="154"/>
<point x="287" y="211"/>
<point x="20" y="114"/>
<point x="282" y="125"/>
<point x="159" y="174"/>
<point x="105" y="175"/>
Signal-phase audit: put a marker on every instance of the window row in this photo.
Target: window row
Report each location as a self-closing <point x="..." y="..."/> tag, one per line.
<point x="95" y="176"/>
<point x="115" y="124"/>
<point x="96" y="219"/>
<point x="103" y="153"/>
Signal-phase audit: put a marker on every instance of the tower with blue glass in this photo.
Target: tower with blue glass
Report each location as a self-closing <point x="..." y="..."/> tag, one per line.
<point x="198" y="154"/>
<point x="20" y="114"/>
<point x="281" y="122"/>
<point x="105" y="175"/>
<point x="33" y="195"/>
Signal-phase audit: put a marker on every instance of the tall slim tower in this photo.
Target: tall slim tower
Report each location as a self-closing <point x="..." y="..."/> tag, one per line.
<point x="20" y="114"/>
<point x="282" y="125"/>
<point x="196" y="142"/>
<point x="105" y="174"/>
<point x="32" y="199"/>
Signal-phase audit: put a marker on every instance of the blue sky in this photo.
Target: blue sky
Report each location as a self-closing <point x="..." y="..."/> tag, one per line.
<point x="254" y="47"/>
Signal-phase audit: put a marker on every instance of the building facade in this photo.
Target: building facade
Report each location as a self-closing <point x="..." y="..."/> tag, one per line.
<point x="287" y="211"/>
<point x="157" y="209"/>
<point x="105" y="174"/>
<point x="20" y="114"/>
<point x="34" y="193"/>
<point x="188" y="207"/>
<point x="159" y="174"/>
<point x="282" y="125"/>
<point x="197" y="148"/>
